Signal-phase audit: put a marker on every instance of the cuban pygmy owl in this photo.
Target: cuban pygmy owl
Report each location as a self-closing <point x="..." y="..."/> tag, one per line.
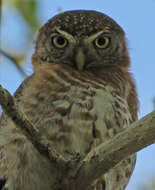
<point x="80" y="95"/>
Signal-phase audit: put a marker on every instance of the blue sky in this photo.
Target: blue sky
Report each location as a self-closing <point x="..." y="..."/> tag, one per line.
<point x="138" y="20"/>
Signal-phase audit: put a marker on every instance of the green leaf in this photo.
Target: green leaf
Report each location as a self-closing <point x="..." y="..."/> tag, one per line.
<point x="28" y="10"/>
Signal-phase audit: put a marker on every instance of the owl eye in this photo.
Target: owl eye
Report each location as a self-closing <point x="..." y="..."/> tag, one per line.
<point x="102" y="42"/>
<point x="59" y="41"/>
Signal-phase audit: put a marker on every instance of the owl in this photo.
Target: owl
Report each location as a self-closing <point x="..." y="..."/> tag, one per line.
<point x="80" y="95"/>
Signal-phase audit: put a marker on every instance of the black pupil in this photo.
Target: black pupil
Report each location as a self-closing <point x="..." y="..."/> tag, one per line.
<point x="101" y="41"/>
<point x="60" y="41"/>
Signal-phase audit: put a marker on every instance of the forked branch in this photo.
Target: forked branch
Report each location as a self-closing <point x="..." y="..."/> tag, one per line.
<point x="130" y="140"/>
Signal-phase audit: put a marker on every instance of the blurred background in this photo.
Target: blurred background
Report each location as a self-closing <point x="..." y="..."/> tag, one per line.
<point x="20" y="20"/>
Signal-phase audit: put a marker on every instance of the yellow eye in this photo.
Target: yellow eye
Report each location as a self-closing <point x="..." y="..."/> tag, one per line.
<point x="102" y="42"/>
<point x="59" y="41"/>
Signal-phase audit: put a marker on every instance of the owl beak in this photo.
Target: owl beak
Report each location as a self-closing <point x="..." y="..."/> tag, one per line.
<point x="80" y="59"/>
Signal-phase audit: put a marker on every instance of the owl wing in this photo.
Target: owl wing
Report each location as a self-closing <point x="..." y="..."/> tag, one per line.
<point x="114" y="117"/>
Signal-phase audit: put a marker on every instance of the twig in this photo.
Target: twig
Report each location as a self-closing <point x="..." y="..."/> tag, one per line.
<point x="28" y="129"/>
<point x="11" y="58"/>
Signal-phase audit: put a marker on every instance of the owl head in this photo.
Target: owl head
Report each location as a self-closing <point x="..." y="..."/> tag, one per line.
<point x="82" y="40"/>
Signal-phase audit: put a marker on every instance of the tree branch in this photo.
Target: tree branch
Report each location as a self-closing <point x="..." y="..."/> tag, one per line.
<point x="29" y="130"/>
<point x="104" y="157"/>
<point x="14" y="62"/>
<point x="130" y="140"/>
